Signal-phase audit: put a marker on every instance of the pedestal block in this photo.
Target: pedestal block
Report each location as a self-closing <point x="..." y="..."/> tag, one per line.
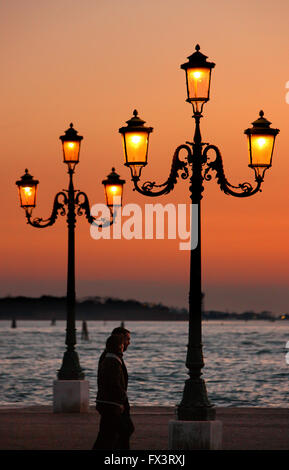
<point x="70" y="396"/>
<point x="195" y="435"/>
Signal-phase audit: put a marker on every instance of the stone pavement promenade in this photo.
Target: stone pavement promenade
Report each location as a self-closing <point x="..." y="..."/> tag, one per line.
<point x="37" y="428"/>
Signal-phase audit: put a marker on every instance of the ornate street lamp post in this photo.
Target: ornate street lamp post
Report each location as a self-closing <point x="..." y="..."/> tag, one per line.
<point x="71" y="203"/>
<point x="195" y="405"/>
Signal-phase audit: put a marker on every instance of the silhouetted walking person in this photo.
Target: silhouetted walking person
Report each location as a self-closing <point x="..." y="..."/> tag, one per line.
<point x="115" y="425"/>
<point x="126" y="414"/>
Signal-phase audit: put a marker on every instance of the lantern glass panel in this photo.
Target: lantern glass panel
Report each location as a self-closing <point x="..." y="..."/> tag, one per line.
<point x="113" y="194"/>
<point x="27" y="195"/>
<point x="135" y="147"/>
<point x="198" y="81"/>
<point x="261" y="149"/>
<point x="71" y="151"/>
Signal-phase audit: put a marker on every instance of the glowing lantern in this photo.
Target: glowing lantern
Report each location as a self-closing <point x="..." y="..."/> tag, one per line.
<point x="71" y="146"/>
<point x="135" y="143"/>
<point x="198" y="78"/>
<point x="113" y="187"/>
<point x="27" y="188"/>
<point x="261" y="139"/>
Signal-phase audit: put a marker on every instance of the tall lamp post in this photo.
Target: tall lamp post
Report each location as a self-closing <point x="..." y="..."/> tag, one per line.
<point x="195" y="405"/>
<point x="71" y="203"/>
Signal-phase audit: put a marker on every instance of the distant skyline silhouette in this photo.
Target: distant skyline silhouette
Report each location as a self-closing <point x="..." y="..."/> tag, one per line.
<point x="233" y="298"/>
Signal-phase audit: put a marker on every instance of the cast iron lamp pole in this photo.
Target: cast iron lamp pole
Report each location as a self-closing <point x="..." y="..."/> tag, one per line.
<point x="195" y="405"/>
<point x="70" y="202"/>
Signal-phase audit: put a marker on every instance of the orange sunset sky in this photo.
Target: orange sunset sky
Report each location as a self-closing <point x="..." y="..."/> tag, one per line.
<point x="91" y="63"/>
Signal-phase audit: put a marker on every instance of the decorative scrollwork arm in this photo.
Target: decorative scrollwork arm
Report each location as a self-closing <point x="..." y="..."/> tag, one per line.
<point x="84" y="207"/>
<point x="58" y="207"/>
<point x="246" y="189"/>
<point x="177" y="165"/>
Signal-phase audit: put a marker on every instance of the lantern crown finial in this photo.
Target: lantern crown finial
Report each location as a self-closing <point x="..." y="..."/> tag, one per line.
<point x="113" y="178"/>
<point x="26" y="179"/>
<point x="135" y="124"/>
<point x="70" y="134"/>
<point x="135" y="120"/>
<point x="197" y="59"/>
<point x="261" y="121"/>
<point x="261" y="126"/>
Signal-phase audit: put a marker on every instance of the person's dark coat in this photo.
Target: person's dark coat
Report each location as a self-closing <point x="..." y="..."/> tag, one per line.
<point x="111" y="382"/>
<point x="125" y="374"/>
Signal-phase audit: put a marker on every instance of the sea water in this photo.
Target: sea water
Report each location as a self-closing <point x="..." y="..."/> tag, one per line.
<point x="245" y="362"/>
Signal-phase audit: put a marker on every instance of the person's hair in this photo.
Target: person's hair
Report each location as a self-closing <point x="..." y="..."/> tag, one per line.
<point x="113" y="343"/>
<point x="120" y="330"/>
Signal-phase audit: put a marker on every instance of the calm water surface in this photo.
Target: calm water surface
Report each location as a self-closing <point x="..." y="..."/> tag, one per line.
<point x="244" y="361"/>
